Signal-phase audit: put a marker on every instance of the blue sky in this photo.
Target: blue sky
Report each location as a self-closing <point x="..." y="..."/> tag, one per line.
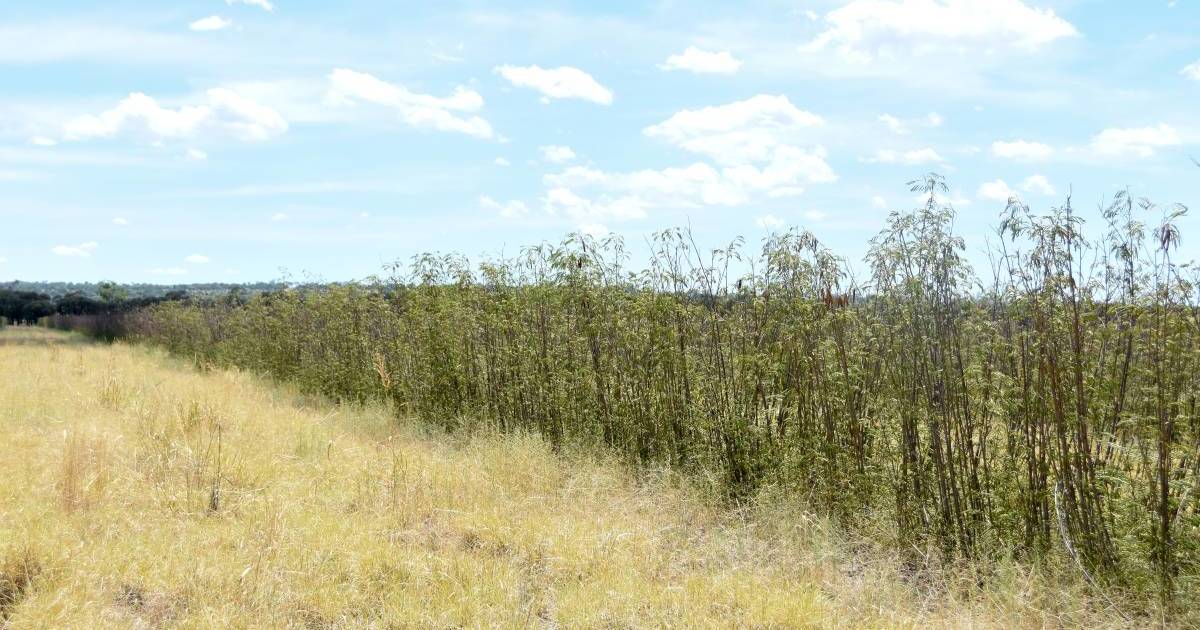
<point x="225" y="140"/>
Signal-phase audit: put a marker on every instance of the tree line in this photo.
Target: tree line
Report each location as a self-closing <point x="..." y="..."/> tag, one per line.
<point x="29" y="308"/>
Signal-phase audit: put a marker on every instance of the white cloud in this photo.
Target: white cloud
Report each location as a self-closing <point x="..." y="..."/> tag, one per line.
<point x="279" y="216"/>
<point x="702" y="62"/>
<point x="769" y="222"/>
<point x="909" y="158"/>
<point x="42" y="141"/>
<point x="785" y="191"/>
<point x="120" y="221"/>
<point x="82" y="250"/>
<point x="263" y="4"/>
<point x="210" y="23"/>
<point x="1139" y="142"/>
<point x="902" y="127"/>
<point x="754" y="145"/>
<point x="510" y="210"/>
<point x="557" y="83"/>
<point x="862" y="30"/>
<point x="3" y="260"/>
<point x="169" y="271"/>
<point x="594" y="230"/>
<point x="347" y="87"/>
<point x="563" y="201"/>
<point x="557" y="154"/>
<point x="501" y="161"/>
<point x="197" y="155"/>
<point x="1037" y="184"/>
<point x="893" y="123"/>
<point x="629" y="195"/>
<point x="225" y="112"/>
<point x="1022" y="150"/>
<point x="997" y="191"/>
<point x="879" y="202"/>
<point x="197" y="259"/>
<point x="737" y="132"/>
<point x="139" y="109"/>
<point x="246" y="119"/>
<point x="815" y="215"/>
<point x="1192" y="71"/>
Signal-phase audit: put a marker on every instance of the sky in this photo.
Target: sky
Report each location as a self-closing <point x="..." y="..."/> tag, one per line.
<point x="247" y="140"/>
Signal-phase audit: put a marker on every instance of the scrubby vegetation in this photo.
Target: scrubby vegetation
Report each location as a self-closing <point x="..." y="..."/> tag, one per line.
<point x="138" y="492"/>
<point x="1043" y="409"/>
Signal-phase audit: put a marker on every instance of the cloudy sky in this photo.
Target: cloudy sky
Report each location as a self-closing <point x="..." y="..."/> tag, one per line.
<point x="199" y="140"/>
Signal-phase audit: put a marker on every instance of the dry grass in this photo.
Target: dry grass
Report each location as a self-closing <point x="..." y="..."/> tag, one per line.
<point x="135" y="492"/>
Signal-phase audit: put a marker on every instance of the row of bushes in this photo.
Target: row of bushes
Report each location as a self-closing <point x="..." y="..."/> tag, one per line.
<point x="97" y="315"/>
<point x="1051" y="408"/>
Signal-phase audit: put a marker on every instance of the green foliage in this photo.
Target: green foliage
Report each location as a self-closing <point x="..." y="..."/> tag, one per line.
<point x="1052" y="412"/>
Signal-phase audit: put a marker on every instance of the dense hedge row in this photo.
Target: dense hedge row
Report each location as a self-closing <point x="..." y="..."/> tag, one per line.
<point x="1052" y="407"/>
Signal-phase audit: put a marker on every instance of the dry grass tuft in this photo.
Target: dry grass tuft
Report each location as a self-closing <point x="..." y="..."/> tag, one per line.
<point x="84" y="470"/>
<point x="18" y="571"/>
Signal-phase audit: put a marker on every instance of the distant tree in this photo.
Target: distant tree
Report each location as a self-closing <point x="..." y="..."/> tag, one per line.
<point x="35" y="309"/>
<point x="76" y="303"/>
<point x="112" y="293"/>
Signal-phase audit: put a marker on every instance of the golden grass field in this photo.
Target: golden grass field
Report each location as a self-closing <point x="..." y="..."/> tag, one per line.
<point x="136" y="491"/>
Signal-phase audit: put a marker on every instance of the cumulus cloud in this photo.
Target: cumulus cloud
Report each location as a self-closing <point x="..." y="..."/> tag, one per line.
<point x="911" y="157"/>
<point x="197" y="259"/>
<point x="557" y="83"/>
<point x="904" y="127"/>
<point x="1037" y="184"/>
<point x="739" y="132"/>
<point x="769" y="222"/>
<point x="501" y="161"/>
<point x="629" y="195"/>
<point x="1192" y="71"/>
<point x="452" y="113"/>
<point x="1022" y="150"/>
<point x="262" y="4"/>
<point x="594" y="230"/>
<point x="510" y="210"/>
<point x="879" y="202"/>
<point x="562" y="201"/>
<point x="893" y="123"/>
<point x="996" y="191"/>
<point x="210" y="23"/>
<point x="82" y="250"/>
<point x="754" y="143"/>
<point x="862" y="30"/>
<point x="1139" y="142"/>
<point x="557" y="154"/>
<point x="225" y="112"/>
<point x="702" y="62"/>
<point x="42" y="141"/>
